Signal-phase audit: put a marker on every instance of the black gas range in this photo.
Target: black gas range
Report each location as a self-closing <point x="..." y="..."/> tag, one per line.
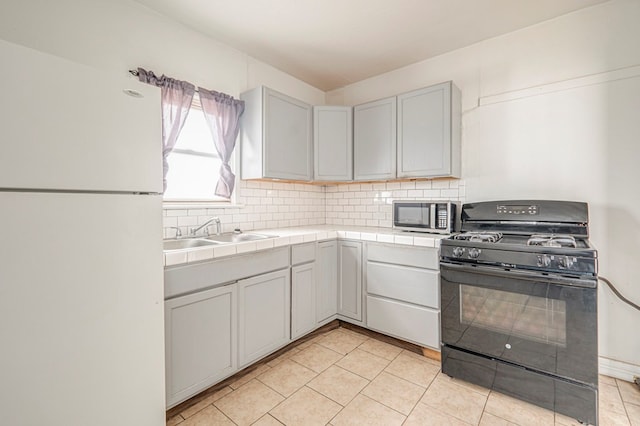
<point x="519" y="303"/>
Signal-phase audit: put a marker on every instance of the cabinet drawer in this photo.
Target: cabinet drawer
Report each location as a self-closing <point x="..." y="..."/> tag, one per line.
<point x="418" y="257"/>
<point x="303" y="253"/>
<point x="413" y="285"/>
<point x="408" y="322"/>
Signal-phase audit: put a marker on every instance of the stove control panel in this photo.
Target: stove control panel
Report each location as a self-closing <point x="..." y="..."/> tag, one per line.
<point x="547" y="262"/>
<point x="516" y="209"/>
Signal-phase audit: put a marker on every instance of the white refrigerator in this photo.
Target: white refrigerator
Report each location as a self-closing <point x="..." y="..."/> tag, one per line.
<point x="81" y="277"/>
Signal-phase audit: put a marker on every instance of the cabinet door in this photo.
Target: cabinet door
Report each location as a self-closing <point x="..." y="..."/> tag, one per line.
<point x="303" y="299"/>
<point x="374" y="140"/>
<point x="333" y="143"/>
<point x="327" y="281"/>
<point x="428" y="139"/>
<point x="350" y="279"/>
<point x="287" y="137"/>
<point x="200" y="341"/>
<point x="264" y="312"/>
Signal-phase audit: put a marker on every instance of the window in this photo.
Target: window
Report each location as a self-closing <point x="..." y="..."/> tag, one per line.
<point x="194" y="165"/>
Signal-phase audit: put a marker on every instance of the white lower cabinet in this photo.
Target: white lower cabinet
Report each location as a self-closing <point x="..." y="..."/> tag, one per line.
<point x="200" y="341"/>
<point x="350" y="280"/>
<point x="263" y="315"/>
<point x="211" y="334"/>
<point x="303" y="299"/>
<point x="327" y="281"/>
<point x="403" y="293"/>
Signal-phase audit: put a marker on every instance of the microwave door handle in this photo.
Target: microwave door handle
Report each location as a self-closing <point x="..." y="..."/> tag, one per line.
<point x="432" y="216"/>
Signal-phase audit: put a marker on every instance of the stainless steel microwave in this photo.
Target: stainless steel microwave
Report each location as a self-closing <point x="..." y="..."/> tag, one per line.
<point x="425" y="216"/>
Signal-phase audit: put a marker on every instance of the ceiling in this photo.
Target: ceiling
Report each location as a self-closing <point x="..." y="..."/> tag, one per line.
<point x="333" y="43"/>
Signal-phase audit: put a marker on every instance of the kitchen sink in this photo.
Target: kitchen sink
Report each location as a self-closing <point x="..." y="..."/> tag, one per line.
<point x="187" y="243"/>
<point x="233" y="237"/>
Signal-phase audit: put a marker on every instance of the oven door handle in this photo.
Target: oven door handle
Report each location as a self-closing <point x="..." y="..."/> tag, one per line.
<point x="519" y="274"/>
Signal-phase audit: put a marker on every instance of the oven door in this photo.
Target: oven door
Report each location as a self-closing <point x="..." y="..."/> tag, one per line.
<point x="527" y="319"/>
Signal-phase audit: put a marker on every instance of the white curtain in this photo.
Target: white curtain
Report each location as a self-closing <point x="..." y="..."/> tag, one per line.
<point x="222" y="113"/>
<point x="176" y="102"/>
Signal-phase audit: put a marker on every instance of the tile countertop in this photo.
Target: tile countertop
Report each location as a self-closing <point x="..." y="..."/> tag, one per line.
<point x="297" y="235"/>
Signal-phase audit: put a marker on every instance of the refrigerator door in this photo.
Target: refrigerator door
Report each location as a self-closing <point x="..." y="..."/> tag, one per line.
<point x="81" y="309"/>
<point x="67" y="126"/>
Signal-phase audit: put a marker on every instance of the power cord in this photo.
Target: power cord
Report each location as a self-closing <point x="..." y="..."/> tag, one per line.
<point x="617" y="293"/>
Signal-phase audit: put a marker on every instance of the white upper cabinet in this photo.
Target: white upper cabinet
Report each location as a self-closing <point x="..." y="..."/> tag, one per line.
<point x="275" y="136"/>
<point x="374" y="140"/>
<point x="429" y="132"/>
<point x="333" y="143"/>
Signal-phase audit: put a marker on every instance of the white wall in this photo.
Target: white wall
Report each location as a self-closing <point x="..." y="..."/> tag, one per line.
<point x="119" y="35"/>
<point x="567" y="138"/>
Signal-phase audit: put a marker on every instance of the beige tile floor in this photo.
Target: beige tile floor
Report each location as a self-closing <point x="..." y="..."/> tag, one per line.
<point x="345" y="378"/>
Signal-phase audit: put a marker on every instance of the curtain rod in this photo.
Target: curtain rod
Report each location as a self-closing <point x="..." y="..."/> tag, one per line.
<point x="135" y="73"/>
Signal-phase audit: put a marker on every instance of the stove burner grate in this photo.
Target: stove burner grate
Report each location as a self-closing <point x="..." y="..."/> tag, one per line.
<point x="551" y="240"/>
<point x="480" y="237"/>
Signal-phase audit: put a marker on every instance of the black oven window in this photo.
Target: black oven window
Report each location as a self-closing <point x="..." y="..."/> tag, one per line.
<point x="529" y="317"/>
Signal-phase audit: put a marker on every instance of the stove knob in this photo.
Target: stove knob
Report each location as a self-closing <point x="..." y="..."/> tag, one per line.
<point x="565" y="262"/>
<point x="544" y="261"/>
<point x="474" y="253"/>
<point x="458" y="251"/>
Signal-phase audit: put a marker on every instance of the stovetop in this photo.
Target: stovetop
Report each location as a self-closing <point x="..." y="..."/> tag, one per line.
<point x="532" y="241"/>
<point x="513" y="252"/>
<point x="546" y="236"/>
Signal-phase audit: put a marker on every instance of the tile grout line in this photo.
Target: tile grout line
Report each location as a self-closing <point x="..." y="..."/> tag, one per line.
<point x="624" y="404"/>
<point x="337" y="366"/>
<point x="378" y="375"/>
<point x="318" y="374"/>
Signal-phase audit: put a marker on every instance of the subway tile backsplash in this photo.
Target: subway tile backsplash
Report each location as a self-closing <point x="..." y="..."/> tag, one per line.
<point x="262" y="205"/>
<point x="370" y="204"/>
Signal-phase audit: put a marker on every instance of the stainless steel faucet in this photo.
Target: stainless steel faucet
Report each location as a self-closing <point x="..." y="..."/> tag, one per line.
<point x="193" y="231"/>
<point x="178" y="231"/>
